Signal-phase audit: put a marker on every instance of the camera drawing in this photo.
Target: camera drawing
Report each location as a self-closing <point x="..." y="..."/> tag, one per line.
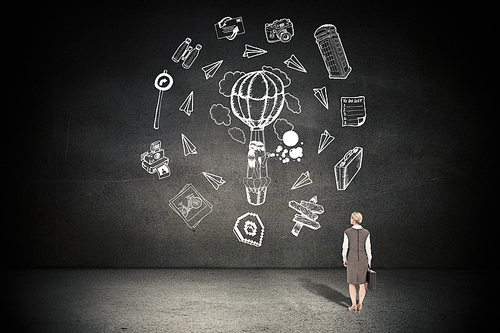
<point x="155" y="161"/>
<point x="279" y="31"/>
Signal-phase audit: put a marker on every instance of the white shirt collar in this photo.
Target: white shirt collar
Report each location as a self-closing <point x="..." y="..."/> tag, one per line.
<point x="357" y="226"/>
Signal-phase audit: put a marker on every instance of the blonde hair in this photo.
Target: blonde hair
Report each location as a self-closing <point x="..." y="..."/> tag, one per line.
<point x="357" y="216"/>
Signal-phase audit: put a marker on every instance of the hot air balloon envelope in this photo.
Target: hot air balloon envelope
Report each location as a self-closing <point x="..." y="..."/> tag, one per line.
<point x="257" y="98"/>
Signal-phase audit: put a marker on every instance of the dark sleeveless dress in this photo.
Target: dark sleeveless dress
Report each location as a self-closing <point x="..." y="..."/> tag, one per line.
<point x="357" y="260"/>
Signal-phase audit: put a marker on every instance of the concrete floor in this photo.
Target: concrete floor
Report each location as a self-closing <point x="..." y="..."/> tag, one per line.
<point x="242" y="300"/>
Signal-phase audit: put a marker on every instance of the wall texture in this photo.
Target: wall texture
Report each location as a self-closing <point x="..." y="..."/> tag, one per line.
<point x="83" y="200"/>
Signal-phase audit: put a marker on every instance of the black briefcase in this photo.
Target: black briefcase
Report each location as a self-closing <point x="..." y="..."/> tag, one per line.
<point x="371" y="280"/>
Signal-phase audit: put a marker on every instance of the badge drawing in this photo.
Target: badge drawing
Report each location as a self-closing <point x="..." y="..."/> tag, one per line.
<point x="249" y="229"/>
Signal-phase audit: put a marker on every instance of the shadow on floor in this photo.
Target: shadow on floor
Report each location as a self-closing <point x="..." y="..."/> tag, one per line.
<point x="327" y="292"/>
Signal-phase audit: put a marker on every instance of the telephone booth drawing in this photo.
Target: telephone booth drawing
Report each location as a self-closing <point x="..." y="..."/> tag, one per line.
<point x="332" y="51"/>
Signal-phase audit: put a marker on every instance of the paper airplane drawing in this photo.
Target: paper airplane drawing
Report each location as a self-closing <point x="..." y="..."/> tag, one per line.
<point x="252" y="51"/>
<point x="294" y="63"/>
<point x="303" y="180"/>
<point x="187" y="105"/>
<point x="324" y="141"/>
<point x="211" y="69"/>
<point x="188" y="147"/>
<point x="321" y="95"/>
<point x="214" y="180"/>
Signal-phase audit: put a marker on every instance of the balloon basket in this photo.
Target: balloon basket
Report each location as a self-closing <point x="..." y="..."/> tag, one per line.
<point x="256" y="195"/>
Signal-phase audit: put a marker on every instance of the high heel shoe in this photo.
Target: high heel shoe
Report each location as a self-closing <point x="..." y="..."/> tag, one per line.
<point x="360" y="306"/>
<point x="353" y="308"/>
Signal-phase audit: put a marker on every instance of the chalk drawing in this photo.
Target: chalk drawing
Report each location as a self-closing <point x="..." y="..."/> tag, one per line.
<point x="321" y="95"/>
<point x="220" y="114"/>
<point x="257" y="161"/>
<point x="227" y="82"/>
<point x="229" y="28"/>
<point x="257" y="99"/>
<point x="353" y="111"/>
<point x="279" y="31"/>
<point x="296" y="154"/>
<point x="163" y="82"/>
<point x="293" y="152"/>
<point x="281" y="126"/>
<point x="237" y="134"/>
<point x="332" y="51"/>
<point x="186" y="53"/>
<point x="324" y="141"/>
<point x="295" y="64"/>
<point x="252" y="51"/>
<point x="303" y="180"/>
<point x="155" y="161"/>
<point x="187" y="146"/>
<point x="292" y="103"/>
<point x="211" y="69"/>
<point x="287" y="155"/>
<point x="190" y="205"/>
<point x="284" y="132"/>
<point x="290" y="138"/>
<point x="308" y="214"/>
<point x="348" y="167"/>
<point x="214" y="180"/>
<point x="249" y="229"/>
<point x="181" y="50"/>
<point x="187" y="105"/>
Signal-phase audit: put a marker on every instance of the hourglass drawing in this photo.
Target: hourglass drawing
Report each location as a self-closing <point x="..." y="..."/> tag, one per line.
<point x="257" y="99"/>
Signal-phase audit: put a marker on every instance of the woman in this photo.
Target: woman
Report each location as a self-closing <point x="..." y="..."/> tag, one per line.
<point x="357" y="240"/>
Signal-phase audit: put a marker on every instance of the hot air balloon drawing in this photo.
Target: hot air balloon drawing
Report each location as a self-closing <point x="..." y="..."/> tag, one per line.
<point x="257" y="99"/>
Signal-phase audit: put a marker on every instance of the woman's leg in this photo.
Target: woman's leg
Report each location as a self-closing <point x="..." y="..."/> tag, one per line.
<point x="352" y="293"/>
<point x="362" y="293"/>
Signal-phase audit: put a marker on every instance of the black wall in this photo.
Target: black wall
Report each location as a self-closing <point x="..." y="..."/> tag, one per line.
<point x="82" y="198"/>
